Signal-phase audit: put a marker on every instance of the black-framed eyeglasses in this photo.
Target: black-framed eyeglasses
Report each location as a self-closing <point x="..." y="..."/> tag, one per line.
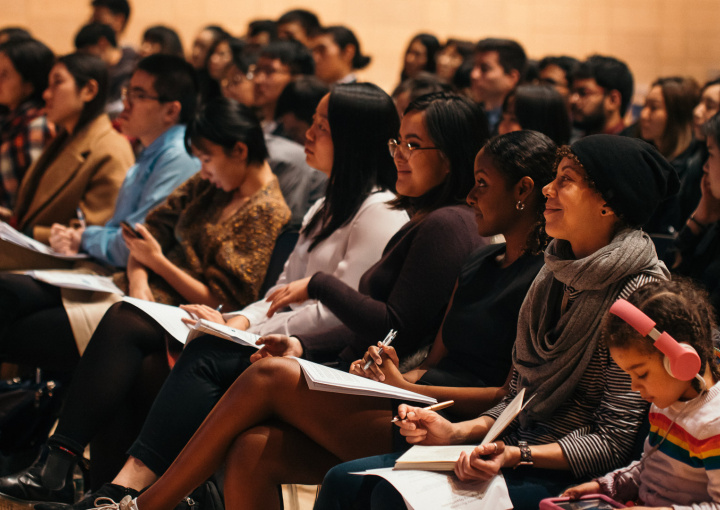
<point x="406" y="149"/>
<point x="131" y="96"/>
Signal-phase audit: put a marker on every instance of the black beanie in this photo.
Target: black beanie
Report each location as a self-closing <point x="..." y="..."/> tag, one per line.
<point x="630" y="174"/>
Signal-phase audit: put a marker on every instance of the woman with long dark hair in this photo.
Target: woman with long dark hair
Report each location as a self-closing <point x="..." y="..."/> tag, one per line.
<point x="24" y="130"/>
<point x="86" y="163"/>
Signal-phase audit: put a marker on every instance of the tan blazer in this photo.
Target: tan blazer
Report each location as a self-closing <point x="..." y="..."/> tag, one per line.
<point x="85" y="173"/>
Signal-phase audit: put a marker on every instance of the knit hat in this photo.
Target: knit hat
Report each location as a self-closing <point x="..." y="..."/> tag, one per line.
<point x="630" y="174"/>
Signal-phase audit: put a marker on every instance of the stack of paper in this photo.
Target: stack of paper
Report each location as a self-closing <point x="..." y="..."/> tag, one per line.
<point x="205" y="327"/>
<point x="75" y="280"/>
<point x="9" y="234"/>
<point x="322" y="378"/>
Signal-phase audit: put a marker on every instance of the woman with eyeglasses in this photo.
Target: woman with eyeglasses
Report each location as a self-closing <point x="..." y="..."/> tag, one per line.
<point x="407" y="289"/>
<point x="210" y="242"/>
<point x="84" y="166"/>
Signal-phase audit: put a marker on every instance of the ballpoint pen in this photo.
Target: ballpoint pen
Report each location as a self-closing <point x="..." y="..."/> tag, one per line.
<point x="434" y="407"/>
<point x="387" y="341"/>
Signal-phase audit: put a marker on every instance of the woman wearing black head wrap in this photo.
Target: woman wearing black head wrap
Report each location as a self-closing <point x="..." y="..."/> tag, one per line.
<point x="584" y="417"/>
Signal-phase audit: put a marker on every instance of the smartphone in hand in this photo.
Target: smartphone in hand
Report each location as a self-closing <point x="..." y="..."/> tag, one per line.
<point x="128" y="228"/>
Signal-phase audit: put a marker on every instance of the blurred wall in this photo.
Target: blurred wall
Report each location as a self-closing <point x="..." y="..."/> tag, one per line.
<point x="655" y="37"/>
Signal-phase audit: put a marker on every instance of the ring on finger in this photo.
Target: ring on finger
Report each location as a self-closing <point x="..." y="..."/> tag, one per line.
<point x="496" y="447"/>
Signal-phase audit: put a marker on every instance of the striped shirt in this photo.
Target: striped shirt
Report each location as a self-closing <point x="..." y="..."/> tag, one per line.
<point x="597" y="426"/>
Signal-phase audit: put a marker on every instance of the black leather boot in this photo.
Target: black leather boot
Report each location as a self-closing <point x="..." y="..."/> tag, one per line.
<point x="48" y="479"/>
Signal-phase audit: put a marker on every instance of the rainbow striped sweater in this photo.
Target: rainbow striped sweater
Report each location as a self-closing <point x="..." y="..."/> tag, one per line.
<point x="684" y="471"/>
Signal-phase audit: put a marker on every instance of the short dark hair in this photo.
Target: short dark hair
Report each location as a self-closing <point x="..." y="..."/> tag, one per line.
<point x="291" y="53"/>
<point x="33" y="61"/>
<point x="90" y="35"/>
<point x="712" y="128"/>
<point x="167" y="38"/>
<point x="458" y="127"/>
<point x="260" y="26"/>
<point x="511" y="54"/>
<point x="301" y="97"/>
<point x="345" y="37"/>
<point x="307" y="19"/>
<point x="174" y="81"/>
<point x="541" y="108"/>
<point x="567" y="64"/>
<point x="15" y="34"/>
<point x="424" y="83"/>
<point x="611" y="74"/>
<point x="242" y="59"/>
<point x="362" y="119"/>
<point x="226" y="122"/>
<point x="84" y="67"/>
<point x="115" y="6"/>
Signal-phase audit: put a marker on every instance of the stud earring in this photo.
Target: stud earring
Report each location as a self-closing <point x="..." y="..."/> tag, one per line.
<point x="603" y="212"/>
<point x="520" y="205"/>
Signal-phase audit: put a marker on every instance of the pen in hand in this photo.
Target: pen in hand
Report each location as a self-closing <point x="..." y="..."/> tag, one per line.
<point x="80" y="217"/>
<point x="434" y="407"/>
<point x="387" y="341"/>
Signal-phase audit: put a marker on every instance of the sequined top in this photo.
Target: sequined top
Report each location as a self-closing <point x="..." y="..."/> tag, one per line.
<point x="230" y="257"/>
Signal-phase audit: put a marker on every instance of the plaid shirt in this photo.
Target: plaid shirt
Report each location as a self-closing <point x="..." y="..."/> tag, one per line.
<point x="23" y="136"/>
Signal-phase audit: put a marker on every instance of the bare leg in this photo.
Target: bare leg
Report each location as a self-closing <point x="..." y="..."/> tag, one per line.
<point x="274" y="388"/>
<point x="135" y="475"/>
<point x="264" y="457"/>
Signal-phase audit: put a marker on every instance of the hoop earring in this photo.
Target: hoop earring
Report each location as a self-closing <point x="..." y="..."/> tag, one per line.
<point x="520" y="205"/>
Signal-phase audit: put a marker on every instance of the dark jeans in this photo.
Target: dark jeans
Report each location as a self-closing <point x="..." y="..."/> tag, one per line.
<point x="341" y="490"/>
<point x="206" y="368"/>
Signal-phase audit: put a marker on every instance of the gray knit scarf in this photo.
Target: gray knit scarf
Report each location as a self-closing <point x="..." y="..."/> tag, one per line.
<point x="552" y="351"/>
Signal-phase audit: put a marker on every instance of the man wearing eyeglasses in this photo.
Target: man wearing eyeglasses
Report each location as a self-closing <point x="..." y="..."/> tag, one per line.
<point x="602" y="88"/>
<point x="159" y="101"/>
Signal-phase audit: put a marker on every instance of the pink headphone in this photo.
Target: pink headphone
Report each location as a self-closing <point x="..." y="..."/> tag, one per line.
<point x="681" y="360"/>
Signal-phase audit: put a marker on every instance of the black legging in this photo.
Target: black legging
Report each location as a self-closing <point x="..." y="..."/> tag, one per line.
<point x="107" y="373"/>
<point x="34" y="328"/>
<point x="206" y="368"/>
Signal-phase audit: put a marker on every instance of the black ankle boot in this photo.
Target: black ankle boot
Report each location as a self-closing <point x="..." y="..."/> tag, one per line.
<point x="48" y="479"/>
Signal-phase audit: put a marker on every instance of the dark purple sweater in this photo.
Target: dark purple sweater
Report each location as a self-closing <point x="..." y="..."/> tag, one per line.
<point x="408" y="289"/>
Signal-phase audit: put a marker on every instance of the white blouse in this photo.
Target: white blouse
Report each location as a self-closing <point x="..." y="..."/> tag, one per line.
<point x="346" y="254"/>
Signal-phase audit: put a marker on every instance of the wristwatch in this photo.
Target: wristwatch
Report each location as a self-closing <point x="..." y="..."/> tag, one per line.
<point x="525" y="454"/>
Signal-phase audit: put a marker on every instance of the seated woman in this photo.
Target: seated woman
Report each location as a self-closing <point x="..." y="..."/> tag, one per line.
<point x="585" y="416"/>
<point x="697" y="248"/>
<point x="85" y="164"/>
<point x="538" y="108"/>
<point x="343" y="235"/>
<point x="337" y="55"/>
<point x="410" y="285"/>
<point x="24" y="130"/>
<point x="419" y="56"/>
<point x="666" y="121"/>
<point x="209" y="243"/>
<point x="677" y="468"/>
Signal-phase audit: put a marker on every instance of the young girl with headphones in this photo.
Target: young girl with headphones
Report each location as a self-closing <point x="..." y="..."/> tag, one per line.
<point x="679" y="376"/>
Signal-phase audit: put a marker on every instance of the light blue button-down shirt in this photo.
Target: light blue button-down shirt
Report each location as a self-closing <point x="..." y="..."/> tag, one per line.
<point x="161" y="167"/>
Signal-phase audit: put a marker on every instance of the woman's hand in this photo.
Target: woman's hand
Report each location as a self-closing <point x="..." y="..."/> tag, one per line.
<point x="65" y="240"/>
<point x="295" y="292"/>
<point x="277" y="345"/>
<point x="482" y="463"/>
<point x="581" y="490"/>
<point x="420" y="426"/>
<point x="201" y="312"/>
<point x="140" y="290"/>
<point x="708" y="210"/>
<point x="145" y="249"/>
<point x="384" y="367"/>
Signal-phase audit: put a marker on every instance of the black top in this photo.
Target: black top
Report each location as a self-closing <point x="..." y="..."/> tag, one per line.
<point x="407" y="289"/>
<point x="480" y="327"/>
<point x="701" y="260"/>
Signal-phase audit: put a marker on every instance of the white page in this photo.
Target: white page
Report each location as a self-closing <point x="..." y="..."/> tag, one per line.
<point x="506" y="417"/>
<point x="428" y="490"/>
<point x="9" y="234"/>
<point x="165" y="315"/>
<point x="235" y="335"/>
<point x="322" y="378"/>
<point x="73" y="280"/>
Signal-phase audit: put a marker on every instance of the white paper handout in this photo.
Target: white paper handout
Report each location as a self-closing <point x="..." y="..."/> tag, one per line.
<point x="169" y="317"/>
<point x="9" y="234"/>
<point x="322" y="378"/>
<point x="75" y="280"/>
<point x="428" y="490"/>
<point x="443" y="458"/>
<point x="205" y="327"/>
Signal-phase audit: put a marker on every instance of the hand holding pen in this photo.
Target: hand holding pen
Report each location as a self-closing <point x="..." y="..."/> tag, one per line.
<point x="387" y="341"/>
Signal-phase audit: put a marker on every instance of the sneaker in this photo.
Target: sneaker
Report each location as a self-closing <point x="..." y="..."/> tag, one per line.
<point x="108" y="492"/>
<point x="126" y="503"/>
